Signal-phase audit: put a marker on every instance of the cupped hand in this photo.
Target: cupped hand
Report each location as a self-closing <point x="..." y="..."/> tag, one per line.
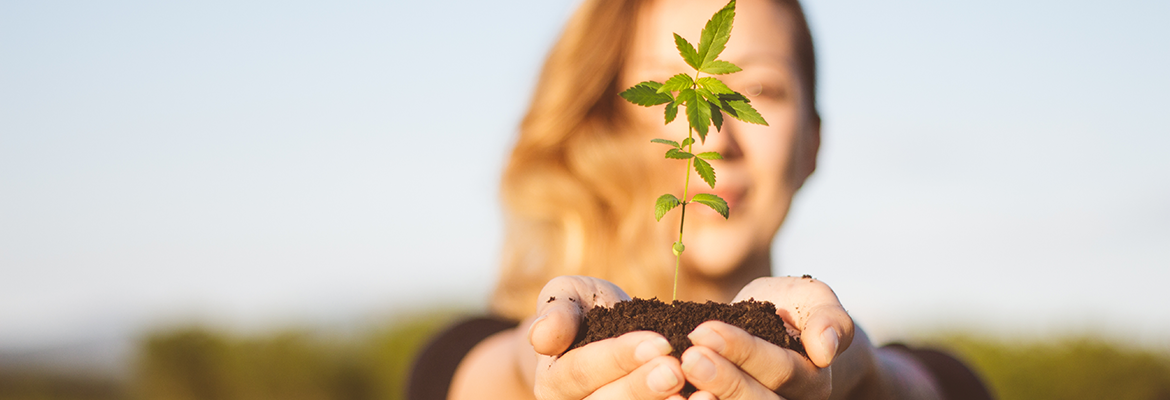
<point x="730" y="364"/>
<point x="635" y="365"/>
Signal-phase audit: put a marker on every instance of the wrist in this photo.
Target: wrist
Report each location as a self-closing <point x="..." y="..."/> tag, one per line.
<point x="524" y="356"/>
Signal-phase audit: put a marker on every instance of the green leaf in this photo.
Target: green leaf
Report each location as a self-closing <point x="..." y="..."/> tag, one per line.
<point x="715" y="34"/>
<point x="705" y="171"/>
<point x="646" y="94"/>
<point x="678" y="154"/>
<point x="687" y="51"/>
<point x="711" y="97"/>
<point x="714" y="85"/>
<point x="687" y="142"/>
<point x="684" y="96"/>
<point x="698" y="114"/>
<point x="665" y="203"/>
<point x="733" y="96"/>
<point x="743" y="111"/>
<point x="719" y="67"/>
<point x="677" y="83"/>
<point x="716" y="117"/>
<point x="710" y="155"/>
<point x="715" y="202"/>
<point x="671" y="111"/>
<point x="666" y="142"/>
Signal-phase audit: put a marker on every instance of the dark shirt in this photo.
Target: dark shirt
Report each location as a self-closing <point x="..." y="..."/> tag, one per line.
<point x="431" y="374"/>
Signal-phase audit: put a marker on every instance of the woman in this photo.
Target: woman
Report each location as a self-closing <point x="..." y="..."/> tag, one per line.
<point x="579" y="190"/>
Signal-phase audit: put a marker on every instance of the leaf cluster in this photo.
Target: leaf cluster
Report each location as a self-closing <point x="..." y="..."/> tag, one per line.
<point x="706" y="100"/>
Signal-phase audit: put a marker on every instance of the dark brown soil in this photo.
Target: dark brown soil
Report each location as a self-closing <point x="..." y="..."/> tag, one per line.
<point x="676" y="320"/>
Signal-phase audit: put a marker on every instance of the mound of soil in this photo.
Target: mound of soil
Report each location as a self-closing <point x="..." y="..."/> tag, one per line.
<point x="679" y="318"/>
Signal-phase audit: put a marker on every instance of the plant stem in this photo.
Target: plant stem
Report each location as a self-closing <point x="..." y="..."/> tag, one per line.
<point x="683" y="218"/>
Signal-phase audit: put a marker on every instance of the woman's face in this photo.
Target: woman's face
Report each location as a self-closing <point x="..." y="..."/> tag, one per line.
<point x="763" y="165"/>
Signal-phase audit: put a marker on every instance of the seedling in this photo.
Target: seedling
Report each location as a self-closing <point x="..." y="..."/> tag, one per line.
<point x="706" y="99"/>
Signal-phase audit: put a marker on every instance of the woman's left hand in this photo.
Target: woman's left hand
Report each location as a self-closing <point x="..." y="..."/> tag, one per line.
<point x="730" y="364"/>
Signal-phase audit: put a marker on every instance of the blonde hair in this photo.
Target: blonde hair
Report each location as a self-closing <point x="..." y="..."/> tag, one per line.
<point x="575" y="194"/>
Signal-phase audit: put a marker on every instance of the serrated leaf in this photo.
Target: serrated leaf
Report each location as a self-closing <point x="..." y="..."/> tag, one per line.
<point x="678" y="154"/>
<point x="733" y="96"/>
<point x="710" y="155"/>
<point x="715" y="202"/>
<point x="698" y="115"/>
<point x="687" y="52"/>
<point x="716" y="117"/>
<point x="719" y="67"/>
<point x="715" y="34"/>
<point x="671" y="111"/>
<point x="687" y="142"/>
<point x="677" y="83"/>
<point x="711" y="98"/>
<point x="743" y="111"/>
<point x="666" y="142"/>
<point x="705" y="171"/>
<point x="714" y="85"/>
<point x="665" y="203"/>
<point x="684" y="96"/>
<point x="646" y="94"/>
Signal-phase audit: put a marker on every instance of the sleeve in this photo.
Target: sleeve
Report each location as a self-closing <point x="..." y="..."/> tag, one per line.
<point x="957" y="381"/>
<point x="433" y="368"/>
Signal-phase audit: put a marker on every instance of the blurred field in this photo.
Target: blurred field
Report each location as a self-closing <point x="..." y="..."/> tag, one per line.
<point x="197" y="363"/>
<point x="1069" y="368"/>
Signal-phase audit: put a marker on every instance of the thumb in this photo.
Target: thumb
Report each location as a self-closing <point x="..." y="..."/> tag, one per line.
<point x="562" y="305"/>
<point x="553" y="332"/>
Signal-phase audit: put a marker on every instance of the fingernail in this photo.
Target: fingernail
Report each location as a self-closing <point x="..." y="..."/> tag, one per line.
<point x="829" y="338"/>
<point x="697" y="366"/>
<point x="661" y="379"/>
<point x="706" y="337"/>
<point x="650" y="348"/>
<point x="532" y="327"/>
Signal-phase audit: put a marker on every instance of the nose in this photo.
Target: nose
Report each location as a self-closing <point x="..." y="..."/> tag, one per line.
<point x="724" y="141"/>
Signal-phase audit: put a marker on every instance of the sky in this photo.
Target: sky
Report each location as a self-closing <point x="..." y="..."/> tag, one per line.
<point x="999" y="167"/>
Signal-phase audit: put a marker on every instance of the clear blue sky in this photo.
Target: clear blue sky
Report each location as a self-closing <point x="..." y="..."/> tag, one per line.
<point x="997" y="164"/>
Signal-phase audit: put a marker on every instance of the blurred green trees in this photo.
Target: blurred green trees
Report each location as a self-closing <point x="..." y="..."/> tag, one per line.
<point x="197" y="363"/>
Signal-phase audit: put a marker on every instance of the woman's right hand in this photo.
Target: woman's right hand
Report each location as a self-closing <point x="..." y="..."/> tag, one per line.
<point x="635" y="365"/>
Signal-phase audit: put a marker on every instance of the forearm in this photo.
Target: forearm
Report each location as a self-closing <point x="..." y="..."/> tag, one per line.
<point x="492" y="371"/>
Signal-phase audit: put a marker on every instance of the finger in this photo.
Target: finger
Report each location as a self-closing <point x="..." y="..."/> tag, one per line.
<point x="830" y="332"/>
<point x="701" y="395"/>
<point x="553" y="332"/>
<point x="582" y="371"/>
<point x="710" y="372"/>
<point x="562" y="304"/>
<point x="778" y="369"/>
<point x="811" y="307"/>
<point x="659" y="379"/>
